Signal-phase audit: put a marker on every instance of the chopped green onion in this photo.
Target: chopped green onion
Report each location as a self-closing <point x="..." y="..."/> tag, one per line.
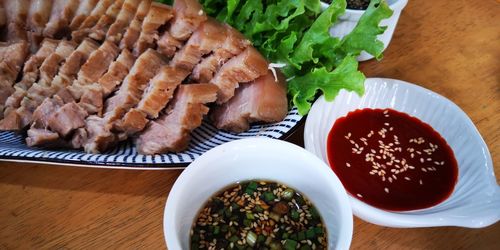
<point x="258" y="209"/>
<point x="250" y="216"/>
<point x="295" y="215"/>
<point x="216" y="229"/>
<point x="301" y="236"/>
<point x="268" y="196"/>
<point x="290" y="244"/>
<point x="249" y="191"/>
<point x="247" y="223"/>
<point x="305" y="247"/>
<point x="261" y="238"/>
<point x="252" y="185"/>
<point x="310" y="233"/>
<point x="251" y="238"/>
<point x="285" y="235"/>
<point x="233" y="238"/>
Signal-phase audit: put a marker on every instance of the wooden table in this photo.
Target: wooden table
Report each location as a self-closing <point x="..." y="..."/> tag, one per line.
<point x="451" y="47"/>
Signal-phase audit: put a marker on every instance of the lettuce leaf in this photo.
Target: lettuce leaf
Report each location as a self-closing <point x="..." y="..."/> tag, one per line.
<point x="296" y="33"/>
<point x="346" y="76"/>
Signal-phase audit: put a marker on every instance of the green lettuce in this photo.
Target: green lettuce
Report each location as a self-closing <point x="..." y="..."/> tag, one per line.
<point x="295" y="34"/>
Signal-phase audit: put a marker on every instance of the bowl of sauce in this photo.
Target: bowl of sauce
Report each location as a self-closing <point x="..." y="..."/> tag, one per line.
<point x="391" y="160"/>
<point x="407" y="156"/>
<point x="258" y="193"/>
<point x="258" y="214"/>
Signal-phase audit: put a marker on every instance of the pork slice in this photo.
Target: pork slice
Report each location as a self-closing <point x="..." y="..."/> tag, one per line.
<point x="116" y="30"/>
<point x="3" y="18"/>
<point x="263" y="100"/>
<point x="51" y="64"/>
<point x="35" y="96"/>
<point x="189" y="15"/>
<point x="132" y="122"/>
<point x="11" y="121"/>
<point x="44" y="112"/>
<point x="67" y="119"/>
<point x="130" y="92"/>
<point x="83" y="11"/>
<point x="134" y="29"/>
<point x="156" y="96"/>
<point x="61" y="15"/>
<point x="65" y="95"/>
<point x="13" y="57"/>
<point x="30" y="73"/>
<point x="99" y="137"/>
<point x="117" y="72"/>
<point x="245" y="67"/>
<point x="160" y="90"/>
<point x="158" y="15"/>
<point x="43" y="137"/>
<point x="14" y="54"/>
<point x="37" y="93"/>
<point x="47" y="47"/>
<point x="171" y="132"/>
<point x="98" y="63"/>
<point x="16" y="11"/>
<point x="145" y="67"/>
<point x="98" y="32"/>
<point x="92" y="99"/>
<point x="68" y="71"/>
<point x="91" y="20"/>
<point x="168" y="45"/>
<point x="38" y="16"/>
<point x="234" y="43"/>
<point x="208" y="37"/>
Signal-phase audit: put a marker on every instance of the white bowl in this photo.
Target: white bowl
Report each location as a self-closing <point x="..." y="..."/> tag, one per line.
<point x="348" y="21"/>
<point x="257" y="158"/>
<point x="475" y="201"/>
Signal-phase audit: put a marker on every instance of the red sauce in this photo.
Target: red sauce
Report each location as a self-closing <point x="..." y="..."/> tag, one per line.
<point x="391" y="160"/>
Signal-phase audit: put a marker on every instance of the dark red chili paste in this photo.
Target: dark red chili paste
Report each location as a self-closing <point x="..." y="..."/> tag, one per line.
<point x="391" y="160"/>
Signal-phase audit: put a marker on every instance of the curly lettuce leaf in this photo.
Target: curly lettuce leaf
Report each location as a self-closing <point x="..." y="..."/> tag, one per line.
<point x="317" y="35"/>
<point x="303" y="89"/>
<point x="296" y="33"/>
<point x="364" y="36"/>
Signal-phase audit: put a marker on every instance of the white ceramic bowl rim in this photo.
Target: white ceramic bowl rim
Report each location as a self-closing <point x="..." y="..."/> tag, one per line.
<point x="344" y="214"/>
<point x="434" y="216"/>
<point x="395" y="5"/>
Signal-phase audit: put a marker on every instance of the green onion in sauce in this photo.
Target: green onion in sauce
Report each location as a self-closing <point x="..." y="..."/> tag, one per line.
<point x="258" y="215"/>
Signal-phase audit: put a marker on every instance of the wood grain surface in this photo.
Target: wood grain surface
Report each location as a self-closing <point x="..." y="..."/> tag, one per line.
<point x="451" y="47"/>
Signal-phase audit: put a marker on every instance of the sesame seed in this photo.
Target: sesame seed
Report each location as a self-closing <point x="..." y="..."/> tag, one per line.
<point x="347" y="164"/>
<point x="386" y="190"/>
<point x="420" y="181"/>
<point x="359" y="195"/>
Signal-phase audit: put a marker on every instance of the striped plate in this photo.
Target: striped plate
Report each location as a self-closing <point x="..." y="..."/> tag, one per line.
<point x="14" y="148"/>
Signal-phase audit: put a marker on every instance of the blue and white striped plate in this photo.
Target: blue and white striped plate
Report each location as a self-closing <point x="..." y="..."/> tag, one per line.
<point x="13" y="148"/>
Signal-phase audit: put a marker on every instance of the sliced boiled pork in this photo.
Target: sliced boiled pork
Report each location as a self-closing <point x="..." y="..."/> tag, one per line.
<point x="263" y="100"/>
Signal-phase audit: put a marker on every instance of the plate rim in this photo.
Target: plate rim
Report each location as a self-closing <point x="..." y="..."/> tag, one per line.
<point x="124" y="165"/>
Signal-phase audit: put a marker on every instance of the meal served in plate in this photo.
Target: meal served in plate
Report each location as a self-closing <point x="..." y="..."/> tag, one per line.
<point x="391" y="160"/>
<point x="89" y="74"/>
<point x="258" y="215"/>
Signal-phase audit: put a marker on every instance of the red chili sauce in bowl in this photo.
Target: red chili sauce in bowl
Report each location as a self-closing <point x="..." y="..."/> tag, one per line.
<point x="391" y="160"/>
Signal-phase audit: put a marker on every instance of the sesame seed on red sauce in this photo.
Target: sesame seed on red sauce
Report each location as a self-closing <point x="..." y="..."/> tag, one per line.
<point x="391" y="160"/>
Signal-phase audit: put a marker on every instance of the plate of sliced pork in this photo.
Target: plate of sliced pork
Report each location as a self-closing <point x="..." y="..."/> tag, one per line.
<point x="130" y="83"/>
